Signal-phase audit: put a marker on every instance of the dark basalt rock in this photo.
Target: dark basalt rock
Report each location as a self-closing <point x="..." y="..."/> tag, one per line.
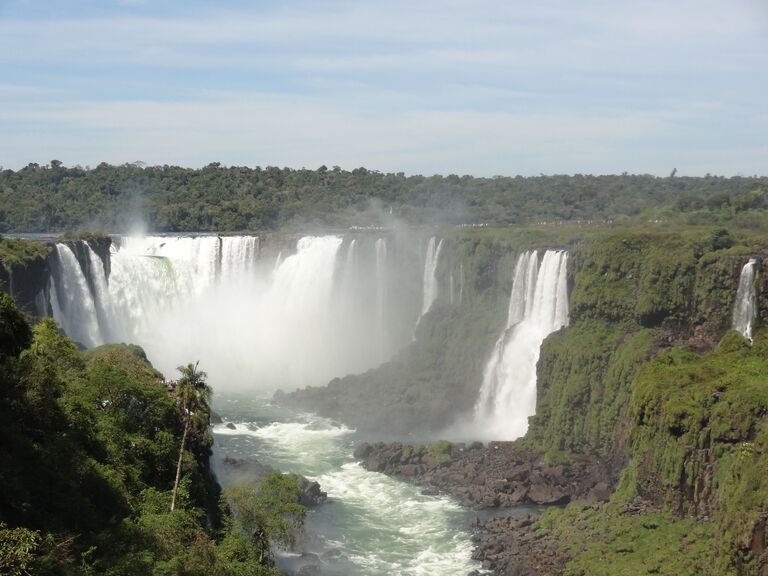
<point x="499" y="475"/>
<point x="311" y="494"/>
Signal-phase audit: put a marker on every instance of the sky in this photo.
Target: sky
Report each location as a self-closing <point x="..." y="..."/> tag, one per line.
<point x="481" y="87"/>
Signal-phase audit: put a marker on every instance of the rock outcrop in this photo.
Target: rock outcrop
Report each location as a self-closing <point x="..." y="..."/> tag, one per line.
<point x="501" y="474"/>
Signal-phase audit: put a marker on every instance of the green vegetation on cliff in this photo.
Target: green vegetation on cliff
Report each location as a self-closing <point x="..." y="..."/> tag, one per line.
<point x="612" y="541"/>
<point x="88" y="449"/>
<point x="698" y="467"/>
<point x="633" y="292"/>
<point x="686" y="422"/>
<point x="15" y="252"/>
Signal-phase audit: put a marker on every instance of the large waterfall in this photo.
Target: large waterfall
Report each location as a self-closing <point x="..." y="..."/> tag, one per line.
<point x="538" y="306"/>
<point x="745" y="306"/>
<point x="282" y="316"/>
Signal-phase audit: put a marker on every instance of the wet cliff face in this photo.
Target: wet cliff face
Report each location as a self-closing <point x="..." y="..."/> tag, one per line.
<point x="24" y="273"/>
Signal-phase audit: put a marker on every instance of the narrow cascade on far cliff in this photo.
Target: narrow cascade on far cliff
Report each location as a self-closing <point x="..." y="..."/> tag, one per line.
<point x="538" y="306"/>
<point x="71" y="299"/>
<point x="430" y="280"/>
<point x="381" y="279"/>
<point x="745" y="306"/>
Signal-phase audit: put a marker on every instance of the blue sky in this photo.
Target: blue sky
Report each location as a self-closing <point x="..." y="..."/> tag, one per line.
<point x="479" y="87"/>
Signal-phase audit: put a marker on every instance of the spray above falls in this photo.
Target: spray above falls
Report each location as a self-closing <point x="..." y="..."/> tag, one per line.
<point x="745" y="306"/>
<point x="538" y="306"/>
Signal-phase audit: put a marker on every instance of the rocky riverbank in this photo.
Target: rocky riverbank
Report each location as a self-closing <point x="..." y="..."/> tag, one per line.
<point x="497" y="476"/>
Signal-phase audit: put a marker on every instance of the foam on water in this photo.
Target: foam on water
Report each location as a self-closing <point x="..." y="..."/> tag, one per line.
<point x="378" y="525"/>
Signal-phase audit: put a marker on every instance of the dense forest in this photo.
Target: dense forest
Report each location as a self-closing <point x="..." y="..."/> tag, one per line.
<point x="92" y="449"/>
<point x="55" y="198"/>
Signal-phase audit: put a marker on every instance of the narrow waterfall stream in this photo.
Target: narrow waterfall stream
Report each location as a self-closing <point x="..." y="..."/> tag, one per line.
<point x="745" y="306"/>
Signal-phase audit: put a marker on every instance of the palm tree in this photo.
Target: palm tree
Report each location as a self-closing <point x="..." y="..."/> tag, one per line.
<point x="194" y="397"/>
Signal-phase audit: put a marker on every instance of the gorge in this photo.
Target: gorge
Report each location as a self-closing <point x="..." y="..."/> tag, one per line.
<point x="557" y="336"/>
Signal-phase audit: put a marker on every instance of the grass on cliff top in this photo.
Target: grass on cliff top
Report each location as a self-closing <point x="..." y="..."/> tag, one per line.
<point x="607" y="541"/>
<point x="15" y="252"/>
<point x="565" y="234"/>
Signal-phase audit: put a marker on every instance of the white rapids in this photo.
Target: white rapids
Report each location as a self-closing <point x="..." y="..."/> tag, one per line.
<point x="372" y="524"/>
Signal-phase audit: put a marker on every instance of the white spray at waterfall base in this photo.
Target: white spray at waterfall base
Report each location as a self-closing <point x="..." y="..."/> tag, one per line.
<point x="538" y="306"/>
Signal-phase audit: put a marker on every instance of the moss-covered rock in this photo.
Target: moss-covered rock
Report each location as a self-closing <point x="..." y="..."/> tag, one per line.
<point x="585" y="375"/>
<point x="24" y="273"/>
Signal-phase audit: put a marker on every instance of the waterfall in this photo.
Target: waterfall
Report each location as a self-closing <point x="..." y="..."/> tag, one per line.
<point x="252" y="321"/>
<point x="430" y="280"/>
<point x="238" y="254"/>
<point x="72" y="301"/>
<point x="381" y="280"/>
<point x="100" y="290"/>
<point x="538" y="306"/>
<point x="745" y="306"/>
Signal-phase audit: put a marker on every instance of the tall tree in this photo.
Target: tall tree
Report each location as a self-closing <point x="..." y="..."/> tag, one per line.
<point x="194" y="396"/>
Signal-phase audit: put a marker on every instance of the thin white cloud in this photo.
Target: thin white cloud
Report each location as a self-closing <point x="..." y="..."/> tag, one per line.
<point x="484" y="86"/>
<point x="271" y="129"/>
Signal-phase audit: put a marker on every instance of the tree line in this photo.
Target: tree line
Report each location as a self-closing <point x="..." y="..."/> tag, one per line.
<point x="56" y="198"/>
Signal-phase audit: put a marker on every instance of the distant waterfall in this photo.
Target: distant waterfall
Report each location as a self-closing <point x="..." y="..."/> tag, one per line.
<point x="430" y="280"/>
<point x="745" y="306"/>
<point x="538" y="306"/>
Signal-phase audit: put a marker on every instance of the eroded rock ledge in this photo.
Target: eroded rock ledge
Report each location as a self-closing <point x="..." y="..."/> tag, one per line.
<point x="498" y="475"/>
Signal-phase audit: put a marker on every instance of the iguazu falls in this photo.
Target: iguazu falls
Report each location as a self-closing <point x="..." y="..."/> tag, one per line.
<point x="383" y="288"/>
<point x="434" y="391"/>
<point x="284" y="312"/>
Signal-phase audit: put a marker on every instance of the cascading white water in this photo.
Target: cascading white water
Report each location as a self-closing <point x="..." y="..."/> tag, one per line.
<point x="745" y="306"/>
<point x="303" y="320"/>
<point x="72" y="300"/>
<point x="381" y="280"/>
<point x="430" y="280"/>
<point x="100" y="291"/>
<point x="538" y="306"/>
<point x="238" y="254"/>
